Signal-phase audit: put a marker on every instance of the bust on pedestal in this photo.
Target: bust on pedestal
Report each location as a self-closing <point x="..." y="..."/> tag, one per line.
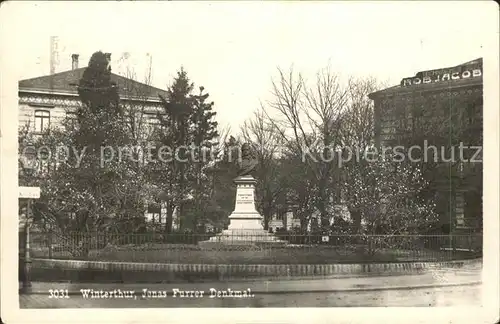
<point x="245" y="222"/>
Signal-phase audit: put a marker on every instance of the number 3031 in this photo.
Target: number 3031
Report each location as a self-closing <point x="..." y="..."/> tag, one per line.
<point x="58" y="293"/>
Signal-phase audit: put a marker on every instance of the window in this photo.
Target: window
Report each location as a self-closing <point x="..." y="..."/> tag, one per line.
<point x="71" y="119"/>
<point x="71" y="115"/>
<point x="43" y="166"/>
<point x="42" y="121"/>
<point x="151" y="122"/>
<point x="459" y="210"/>
<point x="281" y="214"/>
<point x="154" y="211"/>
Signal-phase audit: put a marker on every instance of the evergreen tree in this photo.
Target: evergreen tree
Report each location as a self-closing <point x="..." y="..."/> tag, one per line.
<point x="203" y="132"/>
<point x="187" y="130"/>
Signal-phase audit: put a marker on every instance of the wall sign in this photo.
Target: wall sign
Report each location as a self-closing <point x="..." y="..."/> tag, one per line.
<point x="469" y="70"/>
<point x="29" y="192"/>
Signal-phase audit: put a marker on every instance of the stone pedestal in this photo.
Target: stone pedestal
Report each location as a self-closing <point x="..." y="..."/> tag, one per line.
<point x="245" y="216"/>
<point x="245" y="222"/>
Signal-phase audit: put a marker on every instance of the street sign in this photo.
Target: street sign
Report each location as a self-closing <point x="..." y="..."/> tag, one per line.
<point x="29" y="192"/>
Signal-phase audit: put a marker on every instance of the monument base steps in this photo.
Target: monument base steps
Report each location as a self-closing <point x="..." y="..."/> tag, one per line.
<point x="245" y="227"/>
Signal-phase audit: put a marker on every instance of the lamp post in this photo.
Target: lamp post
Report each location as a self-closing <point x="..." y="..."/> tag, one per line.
<point x="25" y="259"/>
<point x="27" y="193"/>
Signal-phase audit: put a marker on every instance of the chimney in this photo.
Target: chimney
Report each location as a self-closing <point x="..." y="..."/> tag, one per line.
<point x="54" y="53"/>
<point x="74" y="61"/>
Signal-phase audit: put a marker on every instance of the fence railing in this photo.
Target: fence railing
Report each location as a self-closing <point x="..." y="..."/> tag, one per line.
<point x="179" y="247"/>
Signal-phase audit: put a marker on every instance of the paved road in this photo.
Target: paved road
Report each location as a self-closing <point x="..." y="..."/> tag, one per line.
<point x="344" y="292"/>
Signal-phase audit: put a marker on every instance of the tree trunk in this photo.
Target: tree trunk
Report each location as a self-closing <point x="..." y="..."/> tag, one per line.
<point x="303" y="224"/>
<point x="169" y="218"/>
<point x="323" y="202"/>
<point x="356" y="217"/>
<point x="266" y="213"/>
<point x="183" y="224"/>
<point x="82" y="248"/>
<point x="325" y="219"/>
<point x="323" y="213"/>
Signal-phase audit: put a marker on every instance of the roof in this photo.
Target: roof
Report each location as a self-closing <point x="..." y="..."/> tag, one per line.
<point x="454" y="84"/>
<point x="435" y="86"/>
<point x="67" y="82"/>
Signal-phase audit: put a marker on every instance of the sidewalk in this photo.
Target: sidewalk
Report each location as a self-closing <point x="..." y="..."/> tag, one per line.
<point x="434" y="278"/>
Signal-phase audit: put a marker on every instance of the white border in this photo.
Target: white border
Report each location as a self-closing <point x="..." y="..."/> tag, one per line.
<point x="9" y="202"/>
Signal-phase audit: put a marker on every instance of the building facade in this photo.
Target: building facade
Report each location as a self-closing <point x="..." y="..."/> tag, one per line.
<point x="45" y="101"/>
<point x="439" y="113"/>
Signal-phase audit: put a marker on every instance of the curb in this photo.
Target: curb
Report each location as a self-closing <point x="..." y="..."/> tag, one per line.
<point x="254" y="279"/>
<point x="227" y="271"/>
<point x="302" y="291"/>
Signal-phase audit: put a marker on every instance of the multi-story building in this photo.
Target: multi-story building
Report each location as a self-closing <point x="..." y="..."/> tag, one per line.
<point x="440" y="111"/>
<point x="44" y="101"/>
<point x="283" y="220"/>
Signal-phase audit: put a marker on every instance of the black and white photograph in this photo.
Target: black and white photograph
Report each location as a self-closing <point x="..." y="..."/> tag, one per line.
<point x="171" y="156"/>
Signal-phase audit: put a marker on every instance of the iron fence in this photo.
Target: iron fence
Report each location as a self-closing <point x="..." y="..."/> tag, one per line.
<point x="290" y="248"/>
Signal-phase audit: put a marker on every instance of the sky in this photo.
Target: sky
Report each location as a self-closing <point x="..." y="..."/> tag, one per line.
<point x="234" y="48"/>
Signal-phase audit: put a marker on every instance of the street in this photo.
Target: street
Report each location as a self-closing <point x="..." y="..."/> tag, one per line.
<point x="435" y="288"/>
<point x="445" y="296"/>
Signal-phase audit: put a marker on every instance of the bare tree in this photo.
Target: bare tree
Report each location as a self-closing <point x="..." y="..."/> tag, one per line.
<point x="357" y="134"/>
<point x="357" y="129"/>
<point x="267" y="145"/>
<point x="141" y="109"/>
<point x="309" y="119"/>
<point x="139" y="106"/>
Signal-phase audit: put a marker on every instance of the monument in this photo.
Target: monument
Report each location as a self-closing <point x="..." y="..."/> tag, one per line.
<point x="245" y="222"/>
